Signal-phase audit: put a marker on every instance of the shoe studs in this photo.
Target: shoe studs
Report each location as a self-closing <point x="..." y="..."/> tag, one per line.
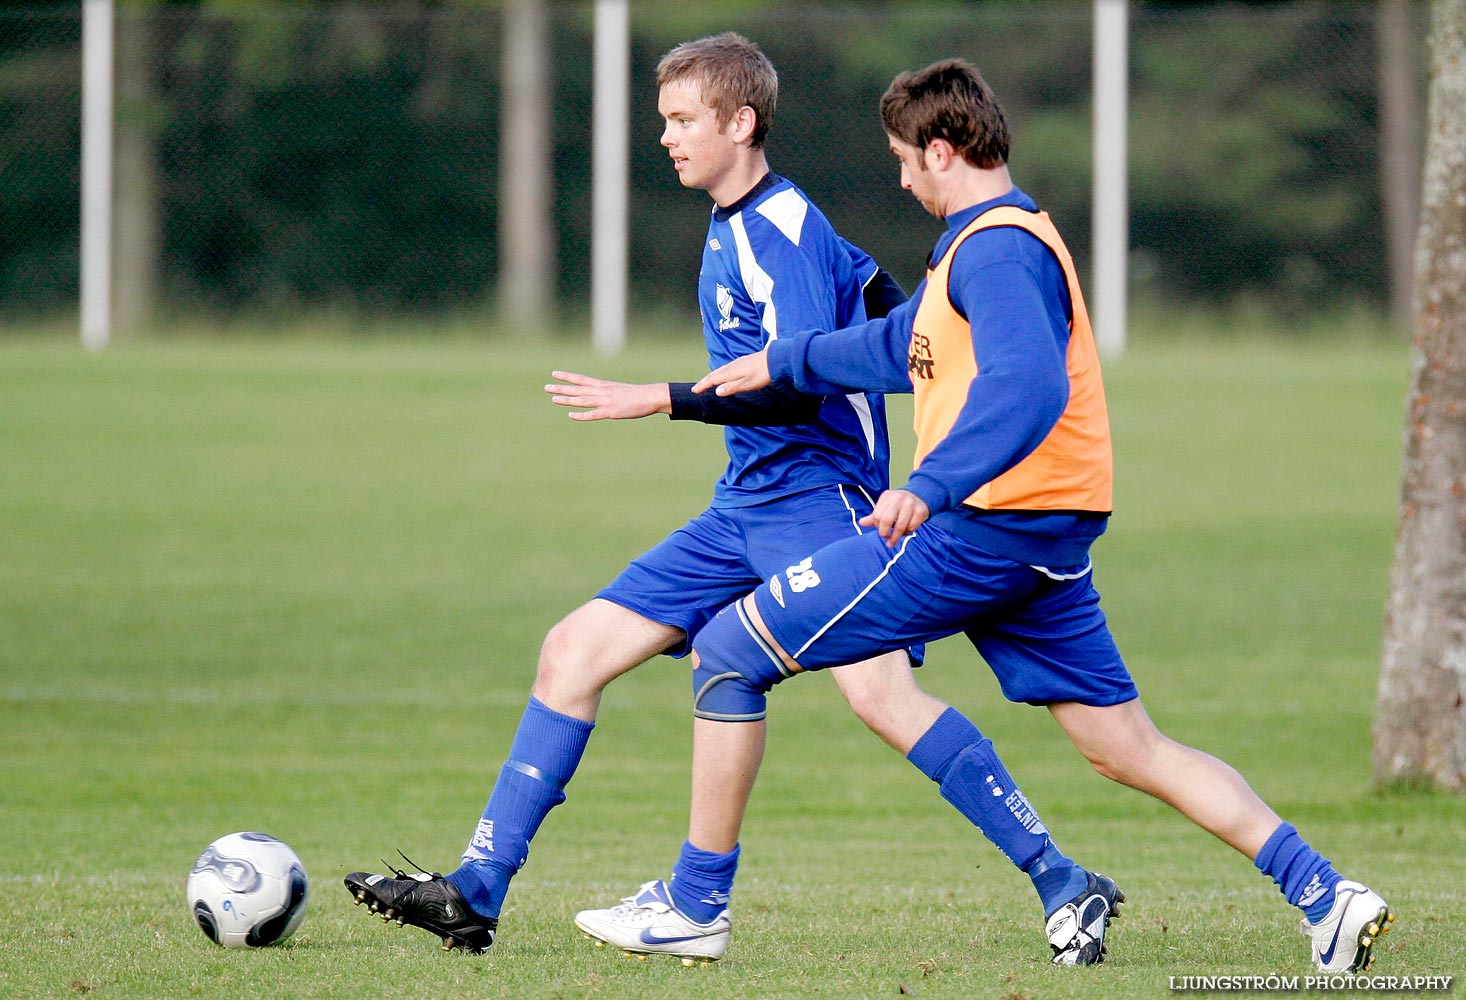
<point x="1373" y="931"/>
<point x="641" y="956"/>
<point x="1377" y="927"/>
<point x="688" y="961"/>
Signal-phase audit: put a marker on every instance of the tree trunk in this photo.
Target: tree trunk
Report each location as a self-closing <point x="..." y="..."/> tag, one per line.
<point x="526" y="222"/>
<point x="136" y="219"/>
<point x="1420" y="721"/>
<point x="1399" y="142"/>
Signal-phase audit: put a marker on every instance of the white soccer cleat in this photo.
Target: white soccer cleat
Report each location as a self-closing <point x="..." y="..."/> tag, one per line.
<point x="649" y="924"/>
<point x="1344" y="940"/>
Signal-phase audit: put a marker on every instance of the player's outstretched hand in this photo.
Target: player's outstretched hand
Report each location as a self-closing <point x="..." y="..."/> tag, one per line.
<point x="897" y="513"/>
<point x="599" y="399"/>
<point x="743" y="374"/>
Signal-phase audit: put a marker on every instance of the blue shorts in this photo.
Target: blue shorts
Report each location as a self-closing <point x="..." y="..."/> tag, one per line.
<point x="1041" y="631"/>
<point x="725" y="552"/>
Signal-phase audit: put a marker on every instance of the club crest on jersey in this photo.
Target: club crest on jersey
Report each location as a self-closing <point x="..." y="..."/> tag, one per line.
<point x="725" y="308"/>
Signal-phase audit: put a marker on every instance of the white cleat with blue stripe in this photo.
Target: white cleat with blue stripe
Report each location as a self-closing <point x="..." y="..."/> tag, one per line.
<point x="1344" y="940"/>
<point x="649" y="924"/>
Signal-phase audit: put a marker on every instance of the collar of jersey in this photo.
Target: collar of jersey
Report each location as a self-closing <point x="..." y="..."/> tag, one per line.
<point x="765" y="184"/>
<point x="957" y="221"/>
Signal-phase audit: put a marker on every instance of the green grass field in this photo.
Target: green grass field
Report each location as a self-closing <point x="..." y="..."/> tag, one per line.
<point x="299" y="585"/>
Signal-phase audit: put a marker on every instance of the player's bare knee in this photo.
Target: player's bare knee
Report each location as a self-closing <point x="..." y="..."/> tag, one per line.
<point x="1106" y="769"/>
<point x="1133" y="763"/>
<point x="857" y="686"/>
<point x="870" y="702"/>
<point x="566" y="670"/>
<point x="866" y="705"/>
<point x="555" y="654"/>
<point x="878" y="689"/>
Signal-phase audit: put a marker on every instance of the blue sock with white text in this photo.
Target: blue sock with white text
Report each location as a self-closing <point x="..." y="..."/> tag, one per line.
<point x="546" y="751"/>
<point x="702" y="882"/>
<point x="955" y="754"/>
<point x="1305" y="877"/>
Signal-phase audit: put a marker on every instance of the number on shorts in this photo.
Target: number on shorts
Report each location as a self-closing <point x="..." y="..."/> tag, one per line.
<point x="802" y="576"/>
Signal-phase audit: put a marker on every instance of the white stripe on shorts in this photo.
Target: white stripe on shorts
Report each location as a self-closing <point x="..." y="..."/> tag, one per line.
<point x="1061" y="577"/>
<point x="854" y="516"/>
<point x="858" y="598"/>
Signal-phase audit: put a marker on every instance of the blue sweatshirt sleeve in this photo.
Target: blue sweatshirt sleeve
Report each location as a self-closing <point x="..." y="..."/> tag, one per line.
<point x="870" y="357"/>
<point x="1020" y="339"/>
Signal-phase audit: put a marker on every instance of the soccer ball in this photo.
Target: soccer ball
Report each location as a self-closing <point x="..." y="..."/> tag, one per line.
<point x="247" y="890"/>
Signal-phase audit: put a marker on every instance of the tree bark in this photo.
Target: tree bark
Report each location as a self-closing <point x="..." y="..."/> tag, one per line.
<point x="526" y="221"/>
<point x="1420" y="721"/>
<point x="1399" y="147"/>
<point x="135" y="239"/>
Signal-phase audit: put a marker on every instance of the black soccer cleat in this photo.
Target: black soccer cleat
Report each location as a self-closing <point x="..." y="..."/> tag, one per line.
<point x="1076" y="930"/>
<point x="425" y="900"/>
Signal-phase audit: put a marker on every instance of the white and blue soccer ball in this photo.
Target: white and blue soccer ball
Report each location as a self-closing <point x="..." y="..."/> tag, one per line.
<point x="247" y="890"/>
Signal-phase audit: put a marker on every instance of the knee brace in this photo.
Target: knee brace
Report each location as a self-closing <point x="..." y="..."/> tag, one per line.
<point x="735" y="670"/>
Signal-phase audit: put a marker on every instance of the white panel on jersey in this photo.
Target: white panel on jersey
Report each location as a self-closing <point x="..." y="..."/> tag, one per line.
<point x="786" y="210"/>
<point x="861" y="405"/>
<point x="756" y="280"/>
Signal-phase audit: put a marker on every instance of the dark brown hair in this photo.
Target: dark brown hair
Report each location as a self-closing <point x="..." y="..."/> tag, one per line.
<point x="947" y="100"/>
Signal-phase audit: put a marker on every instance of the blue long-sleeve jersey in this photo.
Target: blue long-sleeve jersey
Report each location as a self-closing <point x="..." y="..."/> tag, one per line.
<point x="1013" y="293"/>
<point x="773" y="264"/>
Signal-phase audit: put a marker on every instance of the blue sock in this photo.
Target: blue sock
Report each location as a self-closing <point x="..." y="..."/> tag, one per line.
<point x="964" y="764"/>
<point x="702" y="882"/>
<point x="546" y="751"/>
<point x="1305" y="877"/>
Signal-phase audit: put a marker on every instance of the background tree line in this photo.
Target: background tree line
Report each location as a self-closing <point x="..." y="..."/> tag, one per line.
<point x="274" y="157"/>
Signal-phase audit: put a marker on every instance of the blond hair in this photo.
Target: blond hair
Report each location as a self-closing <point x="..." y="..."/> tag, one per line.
<point x="733" y="74"/>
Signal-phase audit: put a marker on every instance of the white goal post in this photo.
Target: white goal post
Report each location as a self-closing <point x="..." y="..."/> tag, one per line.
<point x="97" y="115"/>
<point x="1110" y="208"/>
